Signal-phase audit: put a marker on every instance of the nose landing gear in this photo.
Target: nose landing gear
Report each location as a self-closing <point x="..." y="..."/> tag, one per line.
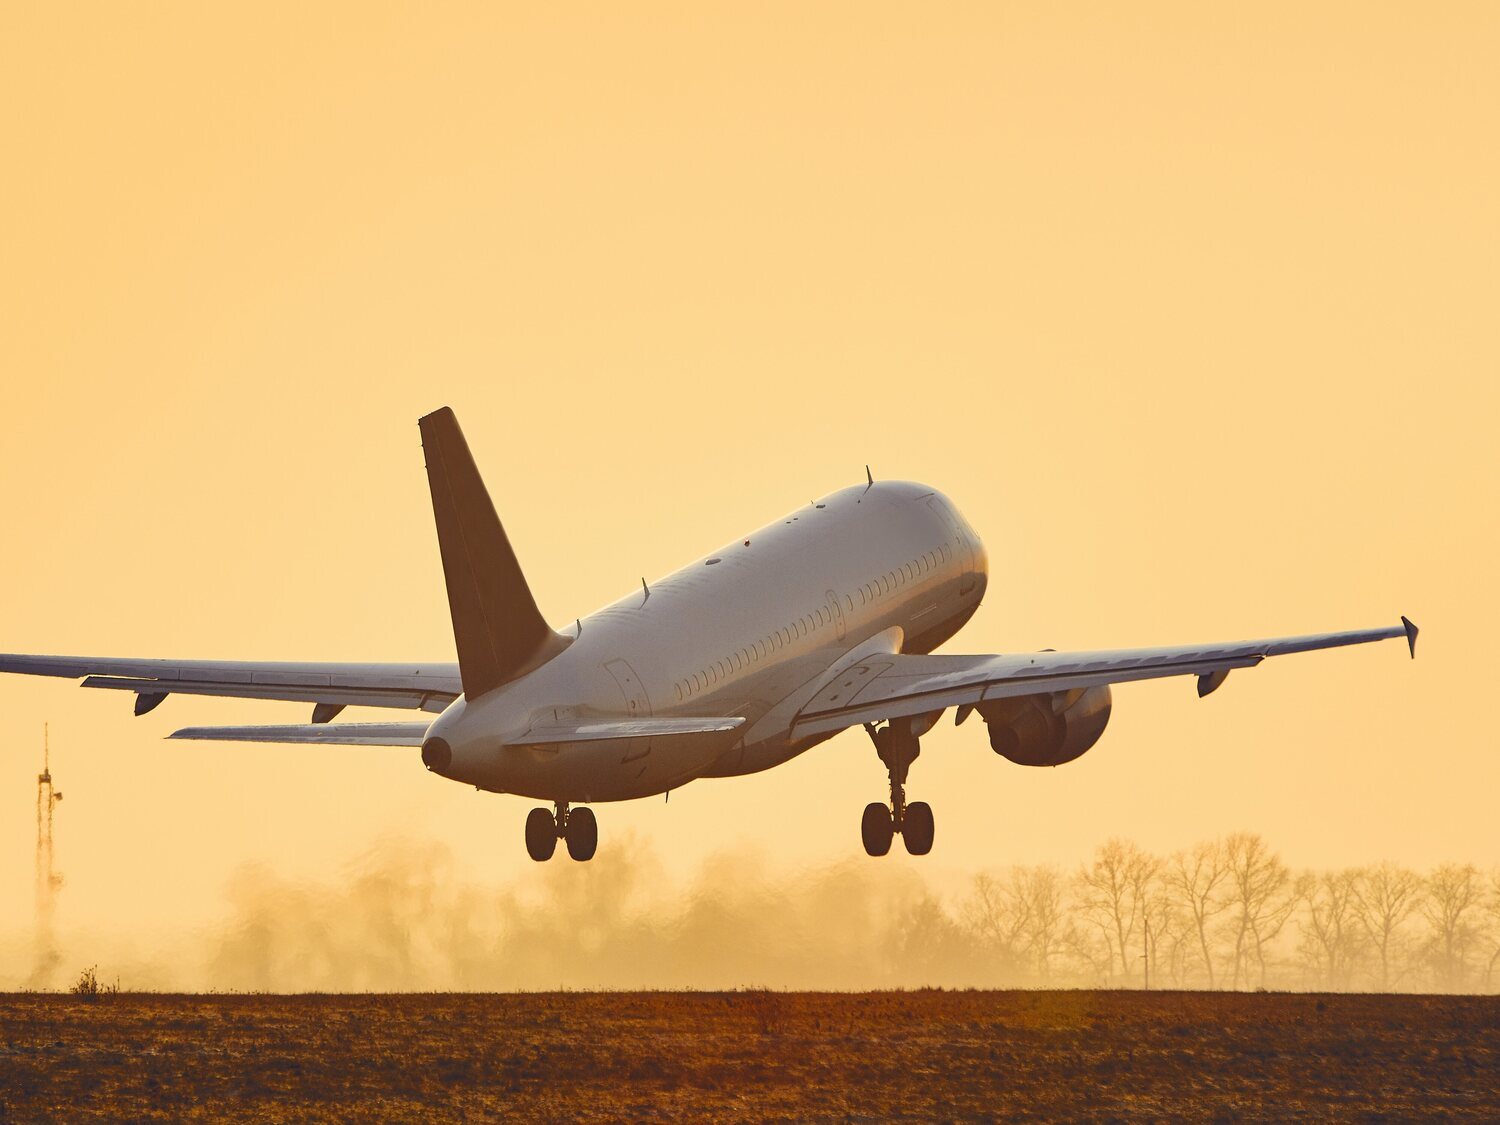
<point x="577" y="827"/>
<point x="898" y="747"/>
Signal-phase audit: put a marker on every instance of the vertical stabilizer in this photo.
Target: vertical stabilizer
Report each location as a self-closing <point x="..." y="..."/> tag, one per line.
<point x="498" y="629"/>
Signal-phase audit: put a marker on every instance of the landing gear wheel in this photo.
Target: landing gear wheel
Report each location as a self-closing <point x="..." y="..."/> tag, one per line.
<point x="917" y="827"/>
<point x="582" y="834"/>
<point x="541" y="835"/>
<point x="877" y="828"/>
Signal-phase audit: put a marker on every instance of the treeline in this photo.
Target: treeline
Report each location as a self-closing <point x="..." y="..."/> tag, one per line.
<point x="1228" y="913"/>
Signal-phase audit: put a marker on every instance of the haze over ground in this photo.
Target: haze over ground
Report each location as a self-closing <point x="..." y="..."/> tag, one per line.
<point x="1192" y="313"/>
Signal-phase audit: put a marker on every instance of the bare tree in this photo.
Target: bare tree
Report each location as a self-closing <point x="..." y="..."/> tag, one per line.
<point x="1263" y="896"/>
<point x="1385" y="896"/>
<point x="1450" y="907"/>
<point x="1332" y="939"/>
<point x="1111" y="893"/>
<point x="1492" y="929"/>
<point x="997" y="917"/>
<point x="1042" y="891"/>
<point x="1164" y="925"/>
<point x="1198" y="879"/>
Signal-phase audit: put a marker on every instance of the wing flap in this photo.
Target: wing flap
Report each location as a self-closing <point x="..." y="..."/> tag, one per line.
<point x="427" y="687"/>
<point x="434" y="701"/>
<point x="313" y="734"/>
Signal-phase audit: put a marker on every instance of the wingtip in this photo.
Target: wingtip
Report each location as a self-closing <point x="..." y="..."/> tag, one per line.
<point x="1411" y="634"/>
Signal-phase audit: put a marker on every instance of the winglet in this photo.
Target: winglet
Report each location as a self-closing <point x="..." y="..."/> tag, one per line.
<point x="1411" y="635"/>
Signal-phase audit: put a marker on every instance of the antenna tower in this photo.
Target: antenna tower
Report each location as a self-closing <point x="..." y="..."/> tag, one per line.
<point x="47" y="879"/>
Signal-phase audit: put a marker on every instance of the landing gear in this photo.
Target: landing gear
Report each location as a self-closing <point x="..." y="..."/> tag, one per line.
<point x="898" y="747"/>
<point x="578" y="827"/>
<point x="582" y="834"/>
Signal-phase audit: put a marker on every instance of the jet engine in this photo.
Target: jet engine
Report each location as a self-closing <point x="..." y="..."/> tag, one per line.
<point x="1049" y="729"/>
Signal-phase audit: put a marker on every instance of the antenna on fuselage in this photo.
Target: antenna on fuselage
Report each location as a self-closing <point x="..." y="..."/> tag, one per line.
<point x="870" y="479"/>
<point x="647" y="598"/>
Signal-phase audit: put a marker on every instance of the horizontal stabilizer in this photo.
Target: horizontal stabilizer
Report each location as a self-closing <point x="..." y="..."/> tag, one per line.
<point x="314" y="734"/>
<point x="606" y="730"/>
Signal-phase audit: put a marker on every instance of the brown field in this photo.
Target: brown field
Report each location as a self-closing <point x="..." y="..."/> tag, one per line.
<point x="627" y="1056"/>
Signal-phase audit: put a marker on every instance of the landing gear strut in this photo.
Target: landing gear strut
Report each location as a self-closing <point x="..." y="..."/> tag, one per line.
<point x="898" y="747"/>
<point x="578" y="827"/>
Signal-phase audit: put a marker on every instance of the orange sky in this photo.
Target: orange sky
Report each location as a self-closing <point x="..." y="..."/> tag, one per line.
<point x="1191" y="309"/>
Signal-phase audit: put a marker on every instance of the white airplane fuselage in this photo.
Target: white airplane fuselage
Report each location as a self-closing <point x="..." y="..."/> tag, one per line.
<point x="754" y="629"/>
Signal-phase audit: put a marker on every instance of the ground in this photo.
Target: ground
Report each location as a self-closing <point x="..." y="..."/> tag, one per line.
<point x="627" y="1056"/>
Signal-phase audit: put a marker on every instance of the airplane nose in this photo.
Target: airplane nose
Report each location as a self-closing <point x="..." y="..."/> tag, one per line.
<point x="437" y="755"/>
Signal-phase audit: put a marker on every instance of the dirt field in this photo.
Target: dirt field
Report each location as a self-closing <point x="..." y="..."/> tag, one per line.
<point x="627" y="1056"/>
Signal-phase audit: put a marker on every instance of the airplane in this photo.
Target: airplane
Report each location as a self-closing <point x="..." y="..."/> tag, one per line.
<point x="823" y="620"/>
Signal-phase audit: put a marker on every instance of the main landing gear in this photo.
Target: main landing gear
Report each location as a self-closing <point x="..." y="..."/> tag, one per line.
<point x="898" y="748"/>
<point x="578" y="827"/>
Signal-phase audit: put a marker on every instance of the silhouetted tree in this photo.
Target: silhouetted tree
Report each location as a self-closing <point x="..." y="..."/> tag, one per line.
<point x="1111" y="891"/>
<point x="1263" y="896"/>
<point x="1332" y="939"/>
<point x="1043" y="889"/>
<point x="1199" y="880"/>
<point x="1451" y="907"/>
<point x="1491" y="905"/>
<point x="997" y="915"/>
<point x="1385" y="896"/>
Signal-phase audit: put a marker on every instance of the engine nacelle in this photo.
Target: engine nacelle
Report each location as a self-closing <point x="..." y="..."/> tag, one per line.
<point x="1047" y="730"/>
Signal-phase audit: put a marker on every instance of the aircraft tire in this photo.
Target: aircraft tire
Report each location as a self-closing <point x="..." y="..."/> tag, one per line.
<point x="582" y="834"/>
<point x="877" y="829"/>
<point x="541" y="835"/>
<point x="917" y="828"/>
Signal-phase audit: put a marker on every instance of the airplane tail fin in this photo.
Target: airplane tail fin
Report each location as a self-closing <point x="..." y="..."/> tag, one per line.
<point x="497" y="627"/>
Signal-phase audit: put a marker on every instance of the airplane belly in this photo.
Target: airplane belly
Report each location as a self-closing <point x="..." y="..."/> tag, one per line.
<point x="613" y="770"/>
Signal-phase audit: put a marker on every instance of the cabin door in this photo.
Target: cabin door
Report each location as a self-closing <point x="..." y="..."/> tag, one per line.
<point x="637" y="705"/>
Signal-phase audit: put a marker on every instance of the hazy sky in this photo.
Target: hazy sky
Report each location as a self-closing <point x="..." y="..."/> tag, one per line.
<point x="1190" y="308"/>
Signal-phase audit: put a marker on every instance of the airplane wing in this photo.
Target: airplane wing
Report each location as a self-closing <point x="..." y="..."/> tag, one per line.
<point x="896" y="686"/>
<point x="331" y="687"/>
<point x="314" y="734"/>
